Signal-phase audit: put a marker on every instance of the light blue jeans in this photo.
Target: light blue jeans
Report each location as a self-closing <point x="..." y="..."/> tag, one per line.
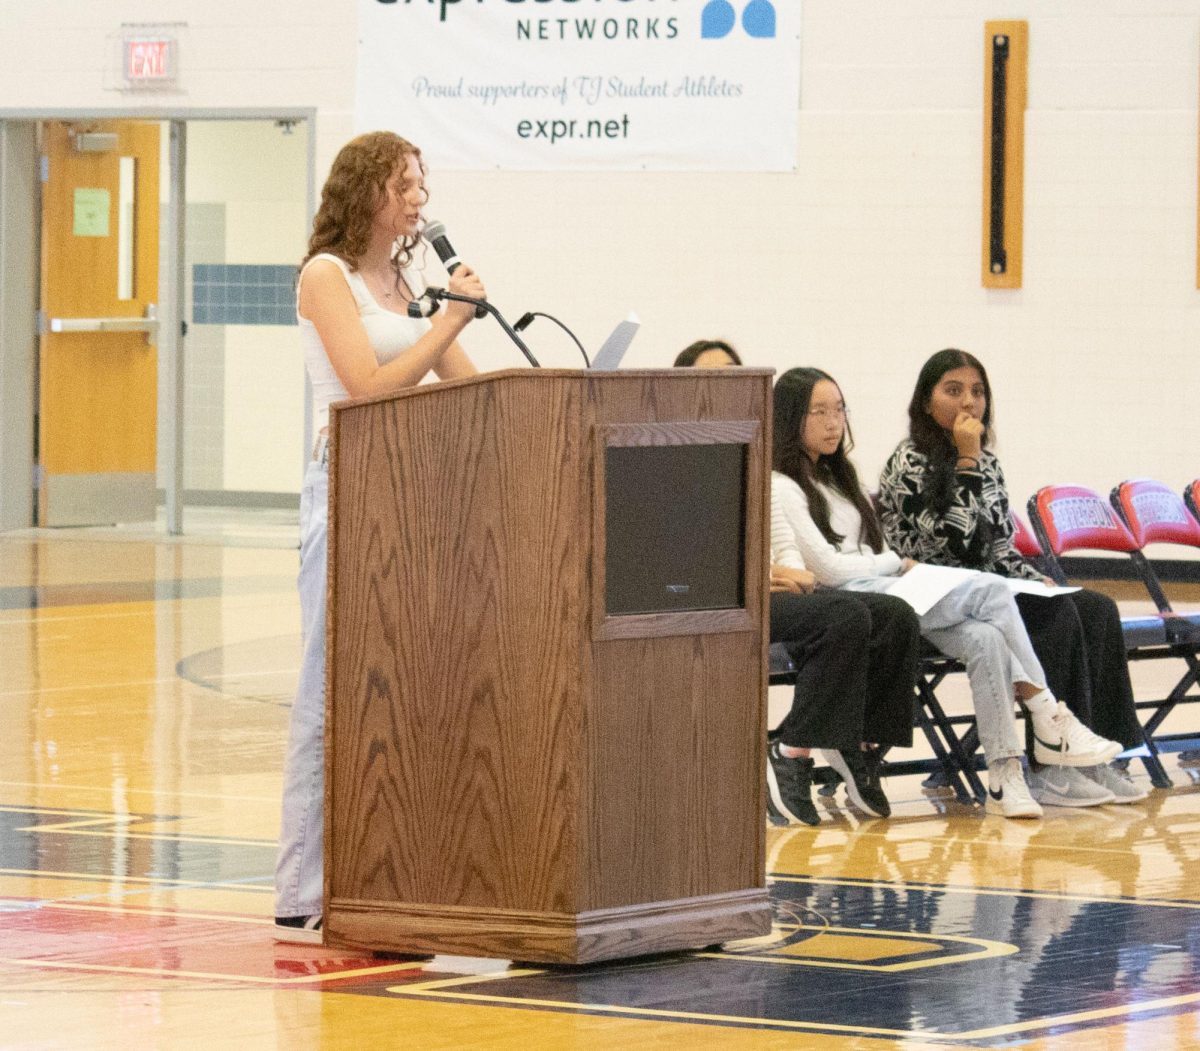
<point x="299" y="875"/>
<point x="978" y="623"/>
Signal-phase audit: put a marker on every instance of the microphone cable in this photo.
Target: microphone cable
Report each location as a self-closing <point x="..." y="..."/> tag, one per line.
<point x="526" y="320"/>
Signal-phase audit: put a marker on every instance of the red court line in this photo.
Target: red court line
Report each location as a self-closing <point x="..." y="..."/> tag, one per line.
<point x="64" y="936"/>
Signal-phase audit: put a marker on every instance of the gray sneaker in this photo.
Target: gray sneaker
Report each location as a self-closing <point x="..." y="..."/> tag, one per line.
<point x="1066" y="786"/>
<point x="1118" y="782"/>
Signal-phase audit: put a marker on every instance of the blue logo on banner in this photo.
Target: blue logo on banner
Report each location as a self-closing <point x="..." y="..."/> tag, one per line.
<point x="758" y="20"/>
<point x="718" y="19"/>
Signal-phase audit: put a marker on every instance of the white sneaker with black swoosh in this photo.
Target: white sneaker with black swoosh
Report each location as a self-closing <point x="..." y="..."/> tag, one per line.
<point x="1008" y="794"/>
<point x="1060" y="739"/>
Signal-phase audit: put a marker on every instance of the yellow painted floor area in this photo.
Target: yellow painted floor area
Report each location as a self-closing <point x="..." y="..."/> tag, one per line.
<point x="145" y="683"/>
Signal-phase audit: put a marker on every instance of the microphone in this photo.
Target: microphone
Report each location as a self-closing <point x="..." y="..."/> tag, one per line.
<point x="435" y="234"/>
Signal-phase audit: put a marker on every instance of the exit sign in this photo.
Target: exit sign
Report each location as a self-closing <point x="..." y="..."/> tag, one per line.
<point x="149" y="61"/>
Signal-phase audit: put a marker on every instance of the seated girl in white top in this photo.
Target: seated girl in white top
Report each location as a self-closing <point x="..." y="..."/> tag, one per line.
<point x="355" y="287"/>
<point x="822" y="518"/>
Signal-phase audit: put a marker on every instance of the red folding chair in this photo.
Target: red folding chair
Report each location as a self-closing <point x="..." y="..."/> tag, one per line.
<point x="1074" y="518"/>
<point x="1156" y="515"/>
<point x="1191" y="497"/>
<point x="1024" y="540"/>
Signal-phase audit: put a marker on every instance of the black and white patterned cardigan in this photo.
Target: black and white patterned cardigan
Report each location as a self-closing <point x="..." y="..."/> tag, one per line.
<point x="915" y="531"/>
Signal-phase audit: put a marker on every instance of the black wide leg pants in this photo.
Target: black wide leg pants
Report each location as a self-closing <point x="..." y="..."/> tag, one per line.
<point x="857" y="658"/>
<point x="1078" y="639"/>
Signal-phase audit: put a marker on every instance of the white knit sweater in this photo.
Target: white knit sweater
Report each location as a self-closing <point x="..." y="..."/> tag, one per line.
<point x="797" y="542"/>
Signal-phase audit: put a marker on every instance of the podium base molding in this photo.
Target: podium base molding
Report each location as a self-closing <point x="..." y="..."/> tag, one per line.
<point x="556" y="938"/>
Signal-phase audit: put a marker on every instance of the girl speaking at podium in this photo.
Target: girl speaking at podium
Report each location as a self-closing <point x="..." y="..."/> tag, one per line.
<point x="351" y="302"/>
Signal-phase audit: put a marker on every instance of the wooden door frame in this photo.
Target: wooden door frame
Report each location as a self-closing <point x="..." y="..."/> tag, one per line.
<point x="20" y="217"/>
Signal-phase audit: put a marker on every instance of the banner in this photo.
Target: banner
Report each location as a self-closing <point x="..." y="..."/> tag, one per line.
<point x="573" y="85"/>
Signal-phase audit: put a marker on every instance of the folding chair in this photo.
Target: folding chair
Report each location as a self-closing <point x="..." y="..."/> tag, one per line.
<point x="957" y="764"/>
<point x="1155" y="515"/>
<point x="952" y="765"/>
<point x="1191" y="497"/>
<point x="1024" y="539"/>
<point x="781" y="669"/>
<point x="1075" y="518"/>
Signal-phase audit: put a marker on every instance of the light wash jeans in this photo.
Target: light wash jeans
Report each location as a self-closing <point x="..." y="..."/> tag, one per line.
<point x="299" y="875"/>
<point x="978" y="623"/>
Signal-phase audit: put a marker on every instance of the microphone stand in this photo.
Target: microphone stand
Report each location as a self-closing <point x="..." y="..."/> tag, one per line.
<point x="435" y="294"/>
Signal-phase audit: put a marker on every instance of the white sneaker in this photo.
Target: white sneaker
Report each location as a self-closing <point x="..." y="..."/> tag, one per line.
<point x="1062" y="740"/>
<point x="1008" y="795"/>
<point x="305" y="930"/>
<point x="1116" y="781"/>
<point x="1067" y="786"/>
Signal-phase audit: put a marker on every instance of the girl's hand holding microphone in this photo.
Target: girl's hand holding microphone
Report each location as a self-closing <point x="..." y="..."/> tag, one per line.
<point x="464" y="282"/>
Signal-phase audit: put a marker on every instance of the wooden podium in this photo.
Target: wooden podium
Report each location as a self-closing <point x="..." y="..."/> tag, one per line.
<point x="546" y="673"/>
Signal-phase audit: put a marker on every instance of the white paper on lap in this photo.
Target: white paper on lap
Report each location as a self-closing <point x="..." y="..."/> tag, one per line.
<point x="923" y="586"/>
<point x="1035" y="587"/>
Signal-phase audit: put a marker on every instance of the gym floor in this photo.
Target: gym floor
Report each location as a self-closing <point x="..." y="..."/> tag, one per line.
<point x="145" y="683"/>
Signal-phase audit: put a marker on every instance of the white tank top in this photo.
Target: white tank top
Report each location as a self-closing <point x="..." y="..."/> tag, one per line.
<point x="389" y="333"/>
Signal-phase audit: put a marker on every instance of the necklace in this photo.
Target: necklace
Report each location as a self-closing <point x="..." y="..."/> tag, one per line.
<point x="381" y="284"/>
<point x="386" y="287"/>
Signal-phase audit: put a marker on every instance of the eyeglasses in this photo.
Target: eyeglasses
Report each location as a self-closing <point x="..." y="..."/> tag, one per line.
<point x="823" y="414"/>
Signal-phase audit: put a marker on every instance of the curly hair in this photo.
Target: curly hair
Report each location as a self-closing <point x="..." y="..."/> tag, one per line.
<point x="792" y="396"/>
<point x="351" y="196"/>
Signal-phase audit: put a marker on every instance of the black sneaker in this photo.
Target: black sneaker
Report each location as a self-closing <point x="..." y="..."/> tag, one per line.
<point x="873" y="758"/>
<point x="304" y="929"/>
<point x="789" y="787"/>
<point x="774" y="817"/>
<point x="862" y="779"/>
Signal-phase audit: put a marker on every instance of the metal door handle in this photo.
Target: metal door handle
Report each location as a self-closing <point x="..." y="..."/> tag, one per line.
<point x="103" y="324"/>
<point x="147" y="324"/>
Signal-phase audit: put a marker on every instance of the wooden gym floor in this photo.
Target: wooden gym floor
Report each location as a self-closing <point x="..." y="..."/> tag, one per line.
<point x="145" y="686"/>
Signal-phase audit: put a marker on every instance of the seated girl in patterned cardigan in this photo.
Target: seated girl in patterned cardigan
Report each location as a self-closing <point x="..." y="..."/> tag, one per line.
<point x="942" y="499"/>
